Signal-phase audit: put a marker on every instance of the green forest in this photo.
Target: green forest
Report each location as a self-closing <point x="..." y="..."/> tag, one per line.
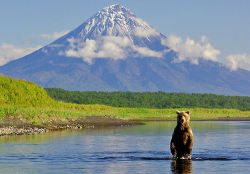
<point x="151" y="99"/>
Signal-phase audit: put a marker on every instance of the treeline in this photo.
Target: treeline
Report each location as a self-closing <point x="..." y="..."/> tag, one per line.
<point x="151" y="99"/>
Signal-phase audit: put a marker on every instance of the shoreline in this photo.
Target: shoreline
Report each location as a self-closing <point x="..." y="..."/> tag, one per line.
<point x="15" y="127"/>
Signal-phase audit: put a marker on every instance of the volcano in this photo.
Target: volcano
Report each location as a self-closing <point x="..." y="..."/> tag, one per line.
<point x="116" y="51"/>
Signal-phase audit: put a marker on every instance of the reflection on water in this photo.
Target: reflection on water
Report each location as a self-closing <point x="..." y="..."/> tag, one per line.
<point x="181" y="166"/>
<point x="219" y="147"/>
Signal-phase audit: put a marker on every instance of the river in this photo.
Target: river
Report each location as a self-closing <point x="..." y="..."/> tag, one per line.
<point x="219" y="147"/>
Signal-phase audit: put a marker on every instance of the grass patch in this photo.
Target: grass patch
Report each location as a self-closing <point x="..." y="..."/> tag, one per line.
<point x="42" y="115"/>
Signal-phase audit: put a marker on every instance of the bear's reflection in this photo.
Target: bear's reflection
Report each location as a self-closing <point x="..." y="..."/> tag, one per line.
<point x="182" y="166"/>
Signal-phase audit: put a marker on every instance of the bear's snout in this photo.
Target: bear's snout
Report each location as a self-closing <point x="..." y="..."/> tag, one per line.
<point x="182" y="120"/>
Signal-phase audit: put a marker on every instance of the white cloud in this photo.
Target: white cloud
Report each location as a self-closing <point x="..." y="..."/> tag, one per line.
<point x="191" y="51"/>
<point x="146" y="52"/>
<point x="86" y="50"/>
<point x="10" y="52"/>
<point x="235" y="61"/>
<point x="146" y="32"/>
<point x="113" y="47"/>
<point x="105" y="47"/>
<point x="54" y="35"/>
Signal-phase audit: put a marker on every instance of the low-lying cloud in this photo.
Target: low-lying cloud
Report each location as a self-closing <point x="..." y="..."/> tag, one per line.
<point x="193" y="51"/>
<point x="190" y="50"/>
<point x="145" y="32"/>
<point x="122" y="47"/>
<point x="113" y="47"/>
<point x="9" y="52"/>
<point x="236" y="61"/>
<point x="54" y="35"/>
<point x="116" y="47"/>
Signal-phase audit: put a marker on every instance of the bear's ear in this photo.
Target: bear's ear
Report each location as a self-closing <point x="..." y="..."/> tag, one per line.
<point x="178" y="112"/>
<point x="188" y="112"/>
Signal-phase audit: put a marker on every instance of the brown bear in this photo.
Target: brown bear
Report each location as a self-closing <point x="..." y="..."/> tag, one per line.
<point x="182" y="138"/>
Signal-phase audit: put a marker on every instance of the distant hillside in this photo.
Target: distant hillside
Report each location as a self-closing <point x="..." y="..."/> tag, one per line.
<point x="22" y="93"/>
<point x="151" y="99"/>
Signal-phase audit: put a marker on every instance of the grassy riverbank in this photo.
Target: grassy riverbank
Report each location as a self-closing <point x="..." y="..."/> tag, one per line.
<point x="65" y="112"/>
<point x="25" y="103"/>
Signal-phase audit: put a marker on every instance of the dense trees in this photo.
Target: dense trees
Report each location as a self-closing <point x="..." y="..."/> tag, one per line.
<point x="151" y="99"/>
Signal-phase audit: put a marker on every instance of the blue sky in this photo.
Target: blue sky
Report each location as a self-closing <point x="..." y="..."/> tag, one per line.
<point x="29" y="24"/>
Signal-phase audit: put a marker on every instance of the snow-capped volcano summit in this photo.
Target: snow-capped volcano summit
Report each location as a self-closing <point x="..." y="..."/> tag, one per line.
<point x="116" y="51"/>
<point x="114" y="32"/>
<point x="115" y="20"/>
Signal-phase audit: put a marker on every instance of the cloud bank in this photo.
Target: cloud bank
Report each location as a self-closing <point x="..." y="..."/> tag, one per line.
<point x="54" y="35"/>
<point x="122" y="47"/>
<point x="116" y="48"/>
<point x="113" y="47"/>
<point x="190" y="50"/>
<point x="236" y="61"/>
<point x="10" y="52"/>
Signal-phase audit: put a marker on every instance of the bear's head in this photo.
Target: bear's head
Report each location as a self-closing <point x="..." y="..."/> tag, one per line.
<point x="183" y="118"/>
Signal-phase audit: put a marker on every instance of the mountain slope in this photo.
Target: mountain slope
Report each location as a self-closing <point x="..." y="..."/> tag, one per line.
<point x="115" y="50"/>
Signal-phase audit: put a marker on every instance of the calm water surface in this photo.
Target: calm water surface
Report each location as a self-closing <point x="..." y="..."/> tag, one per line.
<point x="219" y="147"/>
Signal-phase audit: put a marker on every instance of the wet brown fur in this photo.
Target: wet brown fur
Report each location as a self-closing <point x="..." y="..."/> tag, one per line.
<point x="182" y="139"/>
